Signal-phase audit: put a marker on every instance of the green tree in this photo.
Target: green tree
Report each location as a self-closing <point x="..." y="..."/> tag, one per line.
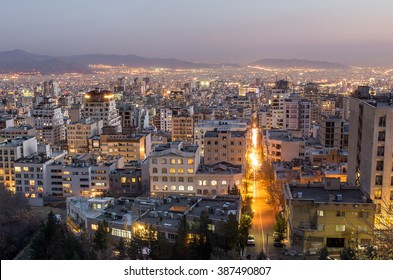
<point x="181" y="249"/>
<point x="121" y="249"/>
<point x="231" y="233"/>
<point x="347" y="253"/>
<point x="101" y="242"/>
<point x="280" y="227"/>
<point x="202" y="242"/>
<point x="323" y="253"/>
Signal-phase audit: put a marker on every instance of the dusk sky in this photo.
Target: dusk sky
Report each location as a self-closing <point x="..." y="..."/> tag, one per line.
<point x="355" y="32"/>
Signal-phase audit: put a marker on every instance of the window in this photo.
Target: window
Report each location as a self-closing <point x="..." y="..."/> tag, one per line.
<point x="121" y="233"/>
<point x="173" y="179"/>
<point x="377" y="193"/>
<point x="31" y="182"/>
<point x="165" y="179"/>
<point x="173" y="188"/>
<point x="381" y="136"/>
<point x="173" y="161"/>
<point x="321" y="227"/>
<point x="363" y="215"/>
<point x="340" y="227"/>
<point x="180" y="171"/>
<point x="163" y="161"/>
<point x="379" y="166"/>
<point x="164" y="187"/>
<point x="154" y="160"/>
<point x="340" y="214"/>
<point x="382" y="121"/>
<point x="164" y="170"/>
<point x="181" y="188"/>
<point x="190" y="170"/>
<point x="124" y="179"/>
<point x="190" y="188"/>
<point x="190" y="161"/>
<point x="155" y="179"/>
<point x="214" y="183"/>
<point x="179" y="161"/>
<point x="391" y="194"/>
<point x="155" y="188"/>
<point x="155" y="170"/>
<point x="172" y="170"/>
<point x="94" y="226"/>
<point x="378" y="180"/>
<point x="17" y="169"/>
<point x="181" y="179"/>
<point x="320" y="213"/>
<point x="190" y="179"/>
<point x="25" y="169"/>
<point x="223" y="182"/>
<point x="133" y="180"/>
<point x="380" y="150"/>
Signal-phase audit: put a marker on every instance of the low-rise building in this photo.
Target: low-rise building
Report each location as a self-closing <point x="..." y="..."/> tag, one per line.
<point x="13" y="132"/>
<point x="126" y="182"/>
<point x="280" y="145"/>
<point x="217" y="179"/>
<point x="328" y="214"/>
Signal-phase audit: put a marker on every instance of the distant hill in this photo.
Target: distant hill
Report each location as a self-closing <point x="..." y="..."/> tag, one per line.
<point x="297" y="63"/>
<point x="21" y="61"/>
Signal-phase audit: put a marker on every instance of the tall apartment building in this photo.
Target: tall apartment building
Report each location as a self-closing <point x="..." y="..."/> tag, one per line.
<point x="131" y="147"/>
<point x="202" y="127"/>
<point x="333" y="132"/>
<point x="228" y="146"/>
<point x="297" y="115"/>
<point x="282" y="146"/>
<point x="86" y="175"/>
<point x="48" y="121"/>
<point x="130" y="115"/>
<point x="327" y="106"/>
<point x="13" y="132"/>
<point x="183" y="127"/>
<point x="370" y="149"/>
<point x="31" y="174"/>
<point x="172" y="168"/>
<point x="276" y="102"/>
<point x="78" y="134"/>
<point x="10" y="151"/>
<point x="101" y="105"/>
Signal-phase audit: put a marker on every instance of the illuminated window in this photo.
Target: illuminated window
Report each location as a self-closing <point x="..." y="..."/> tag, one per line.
<point x="133" y="180"/>
<point x="164" y="187"/>
<point x="190" y="188"/>
<point x="320" y="213"/>
<point x="190" y="161"/>
<point x="163" y="161"/>
<point x="40" y="189"/>
<point x="179" y="161"/>
<point x="172" y="170"/>
<point x="173" y="161"/>
<point x="377" y="193"/>
<point x="32" y="195"/>
<point x="181" y="188"/>
<point x="200" y="183"/>
<point x="180" y="171"/>
<point x="237" y="182"/>
<point x="94" y="227"/>
<point x="66" y="172"/>
<point x="17" y="169"/>
<point x="190" y="170"/>
<point x="340" y="227"/>
<point x="31" y="182"/>
<point x="121" y="233"/>
<point x="223" y="182"/>
<point x="66" y="185"/>
<point x="173" y="188"/>
<point x="123" y="179"/>
<point x="214" y="182"/>
<point x="25" y="169"/>
<point x="155" y="188"/>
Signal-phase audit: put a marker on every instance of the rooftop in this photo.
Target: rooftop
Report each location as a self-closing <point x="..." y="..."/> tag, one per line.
<point x="220" y="168"/>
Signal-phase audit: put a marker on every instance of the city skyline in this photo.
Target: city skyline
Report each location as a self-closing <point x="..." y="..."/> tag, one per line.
<point x="353" y="33"/>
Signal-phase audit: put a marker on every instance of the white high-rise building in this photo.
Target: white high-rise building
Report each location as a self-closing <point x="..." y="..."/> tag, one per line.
<point x="101" y="105"/>
<point x="48" y="121"/>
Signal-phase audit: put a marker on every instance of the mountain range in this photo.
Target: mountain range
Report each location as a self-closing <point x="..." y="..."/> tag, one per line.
<point x="22" y="61"/>
<point x="297" y="63"/>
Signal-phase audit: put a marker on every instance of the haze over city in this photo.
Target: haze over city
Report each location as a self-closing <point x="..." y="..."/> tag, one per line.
<point x="350" y="32"/>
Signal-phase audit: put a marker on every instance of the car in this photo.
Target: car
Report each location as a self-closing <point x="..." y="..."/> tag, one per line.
<point x="251" y="240"/>
<point x="278" y="244"/>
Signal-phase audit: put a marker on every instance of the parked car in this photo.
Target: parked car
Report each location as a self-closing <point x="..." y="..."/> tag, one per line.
<point x="278" y="244"/>
<point x="251" y="240"/>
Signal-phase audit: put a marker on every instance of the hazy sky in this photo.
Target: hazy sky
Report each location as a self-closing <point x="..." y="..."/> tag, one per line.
<point x="356" y="32"/>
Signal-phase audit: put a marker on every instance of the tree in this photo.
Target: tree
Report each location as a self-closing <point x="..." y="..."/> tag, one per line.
<point x="280" y="227"/>
<point x="347" y="253"/>
<point x="231" y="233"/>
<point x="202" y="242"/>
<point x="323" y="253"/>
<point x="180" y="250"/>
<point x="101" y="241"/>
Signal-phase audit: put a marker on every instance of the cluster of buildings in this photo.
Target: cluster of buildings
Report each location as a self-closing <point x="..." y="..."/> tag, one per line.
<point x="143" y="143"/>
